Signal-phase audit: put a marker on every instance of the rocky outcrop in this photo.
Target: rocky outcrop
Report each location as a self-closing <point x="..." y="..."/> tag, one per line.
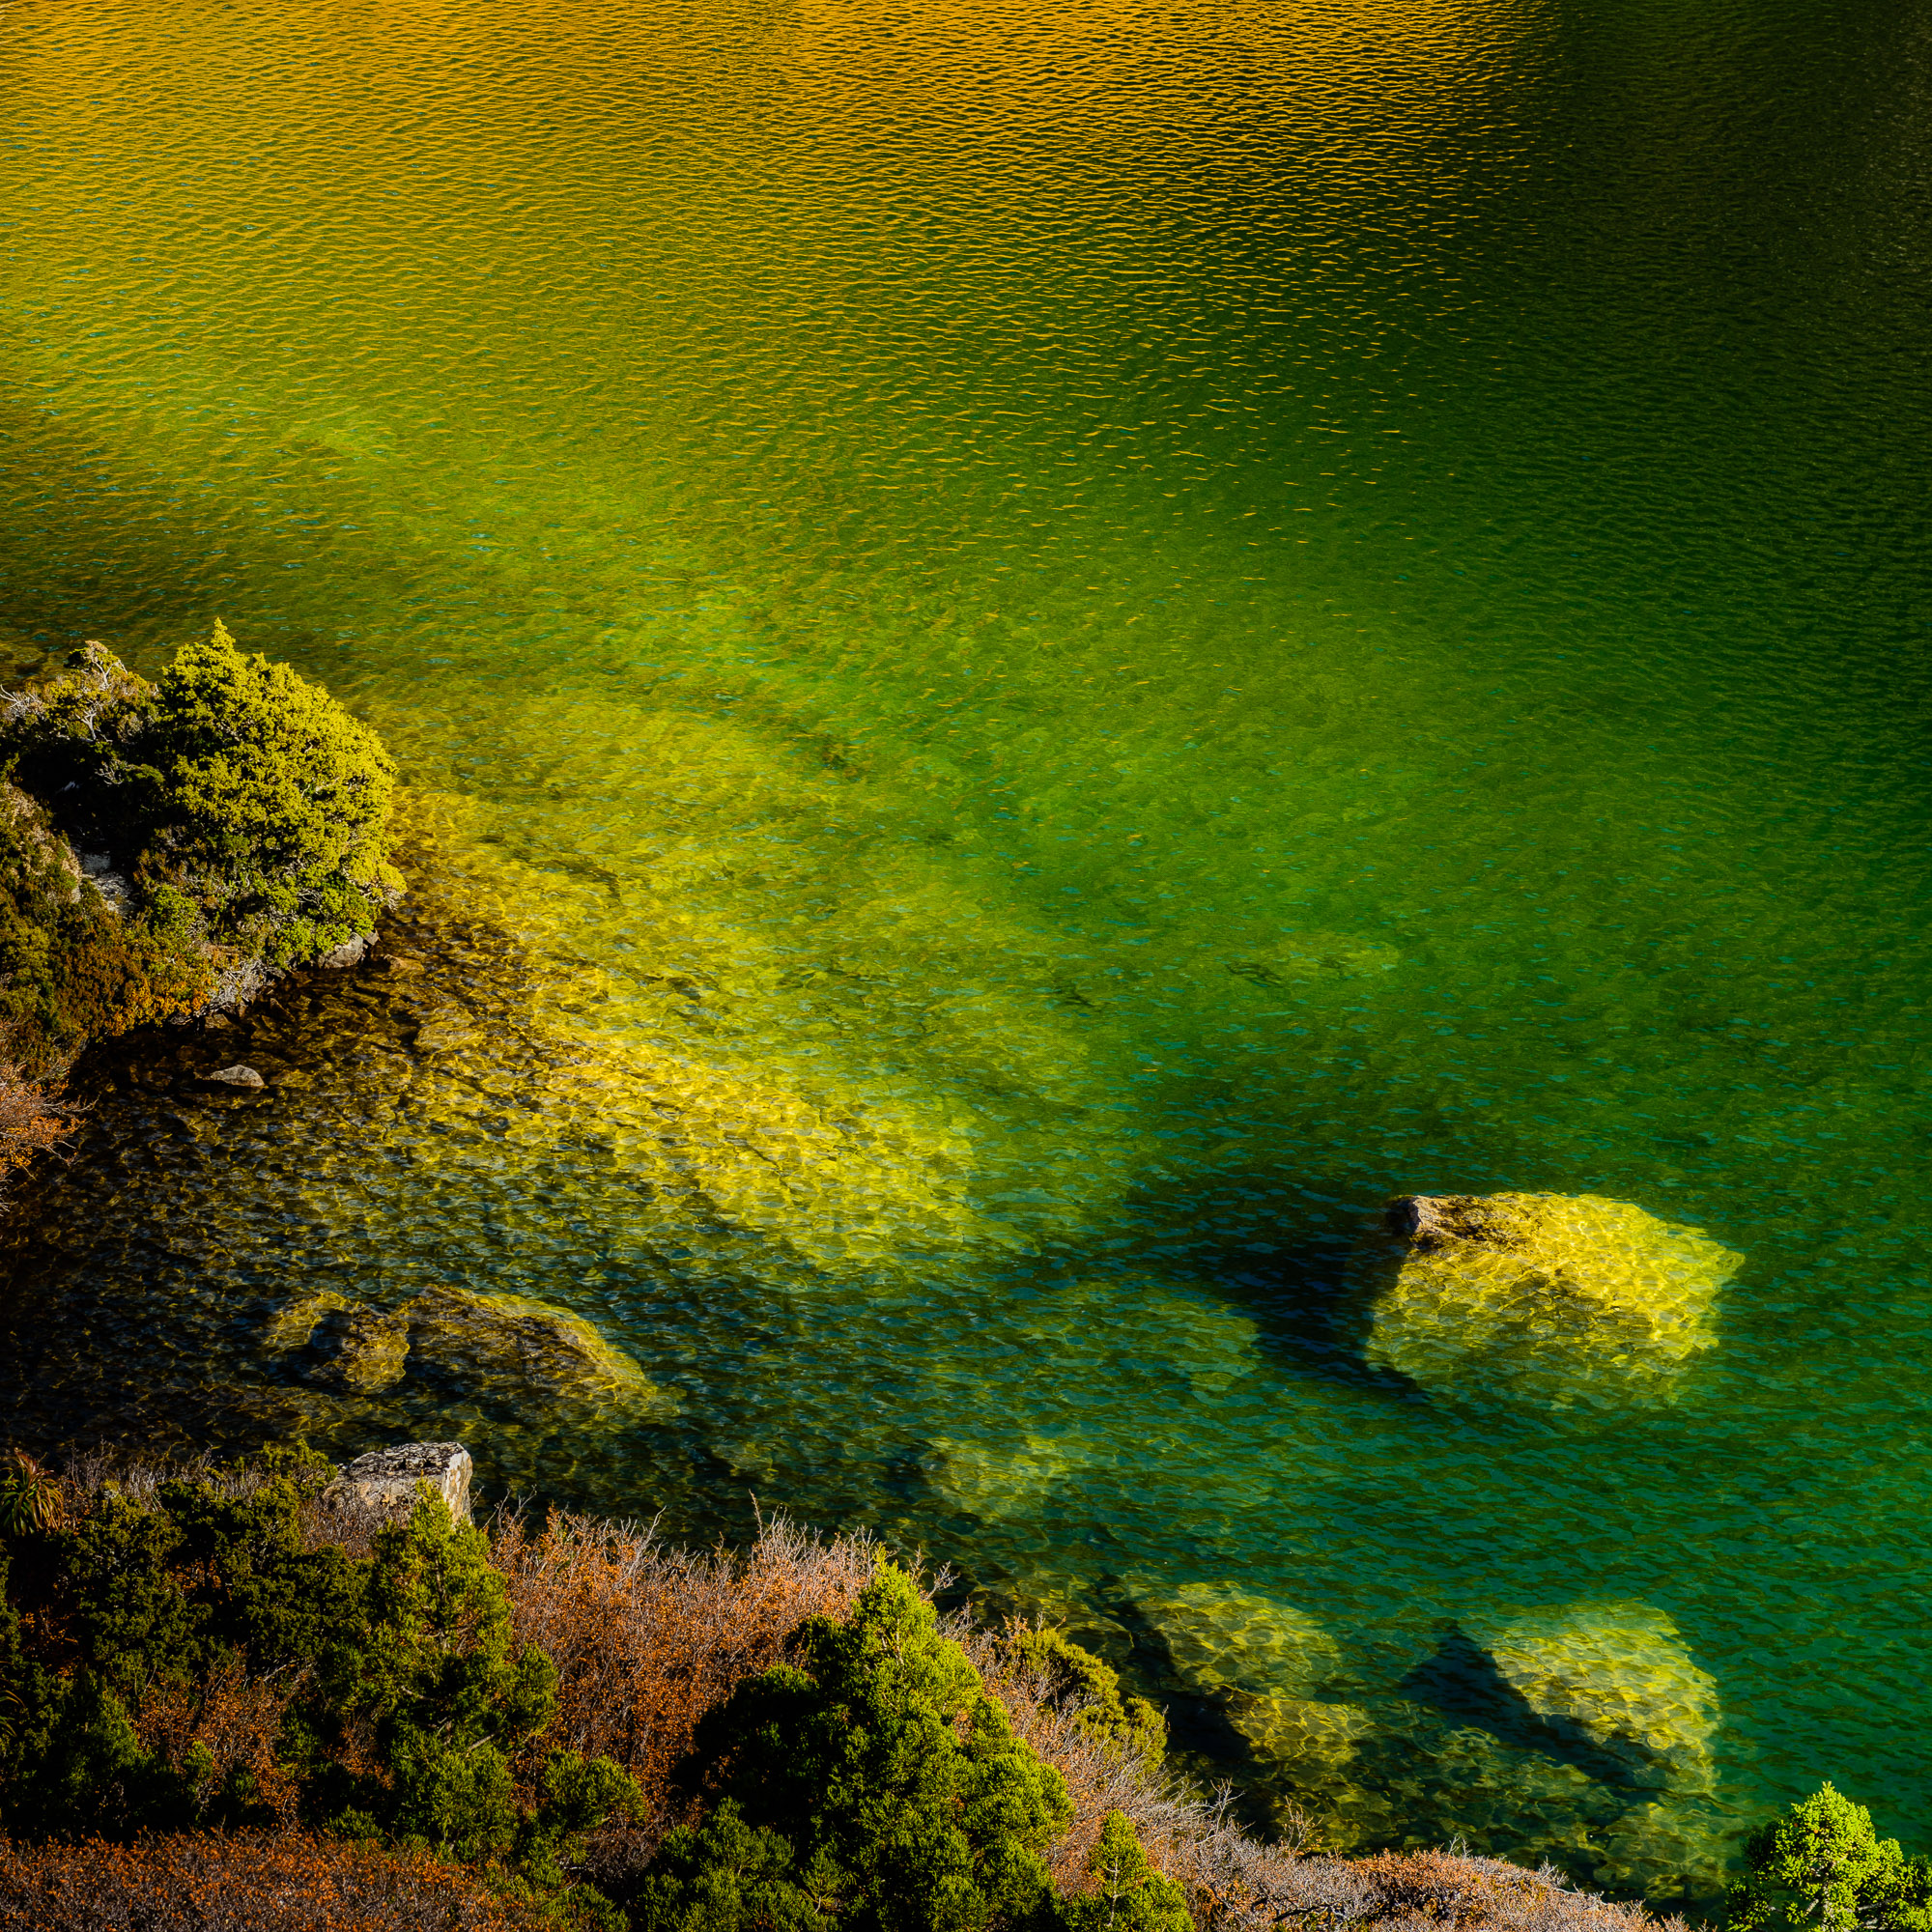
<point x="1615" y="1683"/>
<point x="1566" y="1299"/>
<point x="168" y="850"/>
<point x="384" y="1486"/>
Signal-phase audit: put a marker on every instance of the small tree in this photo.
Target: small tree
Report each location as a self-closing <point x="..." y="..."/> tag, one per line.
<point x="1128" y="1895"/>
<point x="1822" y="1867"/>
<point x="1130" y="1729"/>
<point x="872" y="1785"/>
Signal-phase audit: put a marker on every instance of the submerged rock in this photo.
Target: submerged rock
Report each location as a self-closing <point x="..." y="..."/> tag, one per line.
<point x="364" y="1349"/>
<point x="1548" y="1291"/>
<point x="995" y="1480"/>
<point x="509" y="1344"/>
<point x="1317" y="955"/>
<point x="382" y="1486"/>
<point x="1614" y="1680"/>
<point x="238" y="1076"/>
<point x="292" y="1325"/>
<point x="1225" y="1639"/>
<point x="1301" y="1734"/>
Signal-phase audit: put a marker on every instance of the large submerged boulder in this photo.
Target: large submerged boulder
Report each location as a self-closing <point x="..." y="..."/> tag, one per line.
<point x="997" y="1480"/>
<point x="514" y="1346"/>
<point x="1222" y="1638"/>
<point x="1614" y="1682"/>
<point x="1570" y="1299"/>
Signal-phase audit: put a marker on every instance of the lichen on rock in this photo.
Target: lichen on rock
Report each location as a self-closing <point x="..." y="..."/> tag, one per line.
<point x="1541" y="1294"/>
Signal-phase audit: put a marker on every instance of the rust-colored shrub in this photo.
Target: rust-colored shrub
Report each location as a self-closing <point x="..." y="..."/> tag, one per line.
<point x="647" y="1637"/>
<point x="206" y="1883"/>
<point x="235" y="1725"/>
<point x="30" y="1123"/>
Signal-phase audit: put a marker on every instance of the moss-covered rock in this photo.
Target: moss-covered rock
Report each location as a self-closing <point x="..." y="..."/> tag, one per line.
<point x="1614" y="1681"/>
<point x="512" y="1346"/>
<point x="1560" y="1297"/>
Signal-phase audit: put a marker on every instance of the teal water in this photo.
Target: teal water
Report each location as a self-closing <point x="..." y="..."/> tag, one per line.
<point x="1041" y="655"/>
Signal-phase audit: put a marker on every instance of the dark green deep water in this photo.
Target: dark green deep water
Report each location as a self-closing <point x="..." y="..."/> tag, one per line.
<point x="1041" y="651"/>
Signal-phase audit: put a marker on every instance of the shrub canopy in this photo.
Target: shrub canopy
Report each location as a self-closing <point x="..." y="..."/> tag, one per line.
<point x="245" y="807"/>
<point x="871" y="1784"/>
<point x="193" y="1663"/>
<point x="1822" y="1868"/>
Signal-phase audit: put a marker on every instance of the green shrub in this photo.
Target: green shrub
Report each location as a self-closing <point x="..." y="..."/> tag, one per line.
<point x="872" y="1784"/>
<point x="247" y="805"/>
<point x="1822" y="1867"/>
<point x="390" y="1704"/>
<point x="1128" y="1726"/>
<point x="1128" y="1895"/>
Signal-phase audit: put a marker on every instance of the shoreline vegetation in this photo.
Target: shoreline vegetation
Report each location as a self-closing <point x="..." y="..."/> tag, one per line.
<point x="167" y="851"/>
<point x="221" y="1687"/>
<point x="253" y="1696"/>
<point x="233" y="1677"/>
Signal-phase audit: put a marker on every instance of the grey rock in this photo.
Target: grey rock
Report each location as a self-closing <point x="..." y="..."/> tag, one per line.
<point x="112" y="886"/>
<point x="400" y="964"/>
<point x="351" y="952"/>
<point x="238" y="1076"/>
<point x="380" y="1487"/>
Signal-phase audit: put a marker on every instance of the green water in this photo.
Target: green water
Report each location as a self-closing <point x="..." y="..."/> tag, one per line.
<point x="1041" y="654"/>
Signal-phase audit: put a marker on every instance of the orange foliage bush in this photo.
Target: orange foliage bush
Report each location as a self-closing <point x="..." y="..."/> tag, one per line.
<point x="203" y="1883"/>
<point x="237" y="1722"/>
<point x="29" y="1122"/>
<point x="647" y="1637"/>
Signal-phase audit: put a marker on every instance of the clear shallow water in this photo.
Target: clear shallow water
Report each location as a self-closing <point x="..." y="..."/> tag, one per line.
<point x="922" y="566"/>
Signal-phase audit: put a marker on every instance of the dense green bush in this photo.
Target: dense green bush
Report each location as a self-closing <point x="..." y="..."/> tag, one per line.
<point x="244" y="804"/>
<point x="871" y="1784"/>
<point x="196" y="1656"/>
<point x="1128" y="1895"/>
<point x="1822" y="1867"/>
<point x="1130" y="1727"/>
<point x="193" y="1662"/>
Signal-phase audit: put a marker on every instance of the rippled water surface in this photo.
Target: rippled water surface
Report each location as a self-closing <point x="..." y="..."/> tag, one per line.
<point x="1042" y="651"/>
